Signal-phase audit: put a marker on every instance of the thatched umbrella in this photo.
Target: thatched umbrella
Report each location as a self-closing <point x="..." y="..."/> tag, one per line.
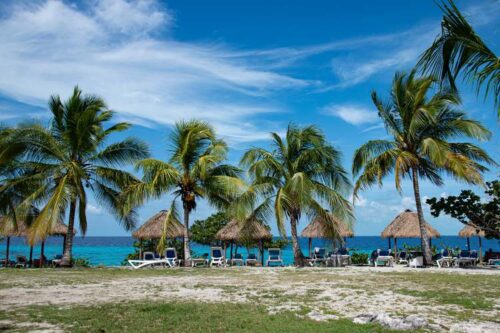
<point x="406" y="225"/>
<point x="470" y="231"/>
<point x="22" y="230"/>
<point x="153" y="229"/>
<point x="250" y="230"/>
<point x="318" y="229"/>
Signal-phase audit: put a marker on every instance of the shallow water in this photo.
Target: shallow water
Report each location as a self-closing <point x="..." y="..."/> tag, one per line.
<point x="110" y="251"/>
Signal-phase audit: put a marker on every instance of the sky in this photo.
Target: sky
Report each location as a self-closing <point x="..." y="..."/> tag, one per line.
<point x="249" y="68"/>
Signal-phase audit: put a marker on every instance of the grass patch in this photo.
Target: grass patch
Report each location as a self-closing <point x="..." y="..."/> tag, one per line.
<point x="183" y="317"/>
<point x="447" y="297"/>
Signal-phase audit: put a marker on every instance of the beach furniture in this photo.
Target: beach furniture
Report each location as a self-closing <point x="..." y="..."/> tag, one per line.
<point x="252" y="260"/>
<point x="21" y="262"/>
<point x="343" y="257"/>
<point x="274" y="257"/>
<point x="171" y="256"/>
<point x="403" y="258"/>
<point x="56" y="261"/>
<point x="384" y="258"/>
<point x="201" y="261"/>
<point x="466" y="258"/>
<point x="217" y="257"/>
<point x="319" y="256"/>
<point x="492" y="258"/>
<point x="237" y="260"/>
<point x="150" y="259"/>
<point x="444" y="259"/>
<point x="417" y="261"/>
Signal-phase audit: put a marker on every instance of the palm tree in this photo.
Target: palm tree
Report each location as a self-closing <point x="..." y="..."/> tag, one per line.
<point x="71" y="157"/>
<point x="300" y="175"/>
<point x="459" y="50"/>
<point x="195" y="170"/>
<point x="422" y="128"/>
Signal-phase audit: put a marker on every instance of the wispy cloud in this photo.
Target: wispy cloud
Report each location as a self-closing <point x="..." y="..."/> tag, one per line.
<point x="352" y="114"/>
<point x="111" y="49"/>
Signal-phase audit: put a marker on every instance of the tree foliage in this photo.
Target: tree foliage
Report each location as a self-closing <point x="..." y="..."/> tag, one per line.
<point x="204" y="231"/>
<point x="470" y="209"/>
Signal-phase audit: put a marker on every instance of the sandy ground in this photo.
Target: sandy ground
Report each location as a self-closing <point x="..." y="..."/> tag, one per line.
<point x="328" y="293"/>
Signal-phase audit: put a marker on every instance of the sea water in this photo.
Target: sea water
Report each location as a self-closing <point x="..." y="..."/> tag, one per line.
<point x="111" y="251"/>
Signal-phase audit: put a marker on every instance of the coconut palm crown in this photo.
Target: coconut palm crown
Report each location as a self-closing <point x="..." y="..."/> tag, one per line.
<point x="301" y="175"/>
<point x="422" y="128"/>
<point x="460" y="50"/>
<point x="71" y="157"/>
<point x="195" y="171"/>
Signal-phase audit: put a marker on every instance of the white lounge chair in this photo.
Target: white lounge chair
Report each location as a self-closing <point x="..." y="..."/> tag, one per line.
<point x="384" y="256"/>
<point x="466" y="258"/>
<point x="343" y="257"/>
<point x="217" y="257"/>
<point x="274" y="257"/>
<point x="237" y="260"/>
<point x="403" y="258"/>
<point x="319" y="256"/>
<point x="149" y="260"/>
<point x="417" y="261"/>
<point x="252" y="260"/>
<point x="171" y="256"/>
<point x="446" y="260"/>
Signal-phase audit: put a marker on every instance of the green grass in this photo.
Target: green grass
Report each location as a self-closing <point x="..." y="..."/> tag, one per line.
<point x="181" y="317"/>
<point x="449" y="297"/>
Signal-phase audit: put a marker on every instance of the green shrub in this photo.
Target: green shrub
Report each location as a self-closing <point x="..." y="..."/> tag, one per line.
<point x="81" y="262"/>
<point x="359" y="258"/>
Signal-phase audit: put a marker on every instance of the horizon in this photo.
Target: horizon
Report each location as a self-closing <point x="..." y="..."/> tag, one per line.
<point x="248" y="69"/>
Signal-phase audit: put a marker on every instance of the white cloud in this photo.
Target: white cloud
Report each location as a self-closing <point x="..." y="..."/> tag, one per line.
<point x="352" y="114"/>
<point x="94" y="209"/>
<point x="111" y="50"/>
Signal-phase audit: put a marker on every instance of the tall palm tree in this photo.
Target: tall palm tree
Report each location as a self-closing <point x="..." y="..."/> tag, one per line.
<point x="422" y="128"/>
<point x="300" y="175"/>
<point x="71" y="157"/>
<point x="195" y="171"/>
<point x="459" y="50"/>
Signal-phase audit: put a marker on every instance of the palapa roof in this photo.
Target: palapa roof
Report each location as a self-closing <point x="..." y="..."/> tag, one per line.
<point x="406" y="225"/>
<point x="251" y="229"/>
<point x="59" y="229"/>
<point x="153" y="228"/>
<point x="318" y="229"/>
<point x="470" y="231"/>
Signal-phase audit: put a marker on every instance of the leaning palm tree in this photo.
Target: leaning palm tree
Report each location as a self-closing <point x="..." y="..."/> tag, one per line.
<point x="301" y="175"/>
<point x="71" y="157"/>
<point x="422" y="128"/>
<point x="195" y="171"/>
<point x="459" y="50"/>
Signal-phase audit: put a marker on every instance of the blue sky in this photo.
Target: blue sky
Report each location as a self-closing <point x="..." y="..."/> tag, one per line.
<point x="247" y="67"/>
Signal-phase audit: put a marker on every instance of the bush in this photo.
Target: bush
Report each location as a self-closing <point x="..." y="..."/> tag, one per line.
<point x="358" y="258"/>
<point x="81" y="262"/>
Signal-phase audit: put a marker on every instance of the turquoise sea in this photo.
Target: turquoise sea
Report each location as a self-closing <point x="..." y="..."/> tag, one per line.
<point x="110" y="251"/>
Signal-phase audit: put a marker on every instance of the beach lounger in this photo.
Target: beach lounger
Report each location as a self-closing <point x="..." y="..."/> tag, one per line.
<point x="403" y="258"/>
<point x="252" y="260"/>
<point x="217" y="257"/>
<point x="343" y="257"/>
<point x="384" y="257"/>
<point x="149" y="260"/>
<point x="445" y="259"/>
<point x="492" y="258"/>
<point x="171" y="256"/>
<point x="21" y="262"/>
<point x="417" y="261"/>
<point x="237" y="260"/>
<point x="274" y="257"/>
<point x="319" y="257"/>
<point x="201" y="261"/>
<point x="466" y="258"/>
<point x="373" y="257"/>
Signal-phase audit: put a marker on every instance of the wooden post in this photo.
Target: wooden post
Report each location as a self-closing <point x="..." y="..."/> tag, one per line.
<point x="64" y="243"/>
<point x="480" y="249"/>
<point x="231" y="253"/>
<point x="468" y="244"/>
<point x="7" y="263"/>
<point x="310" y="247"/>
<point x="31" y="256"/>
<point x="430" y="242"/>
<point x="140" y="248"/>
<point x="396" y="247"/>
<point x="261" y="245"/>
<point x="42" y="250"/>
<point x="389" y="241"/>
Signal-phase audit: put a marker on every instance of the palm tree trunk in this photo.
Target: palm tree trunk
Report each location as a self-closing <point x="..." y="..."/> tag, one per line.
<point x="187" y="249"/>
<point x="297" y="253"/>
<point x="424" y="239"/>
<point x="66" y="260"/>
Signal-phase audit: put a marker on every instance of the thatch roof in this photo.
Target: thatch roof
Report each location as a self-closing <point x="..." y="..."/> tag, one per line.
<point x="470" y="231"/>
<point x="153" y="228"/>
<point x="405" y="225"/>
<point x="318" y="229"/>
<point x="251" y="230"/>
<point x="59" y="229"/>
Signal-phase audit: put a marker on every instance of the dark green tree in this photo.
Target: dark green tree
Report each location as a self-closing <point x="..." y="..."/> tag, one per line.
<point x="203" y="231"/>
<point x="468" y="208"/>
